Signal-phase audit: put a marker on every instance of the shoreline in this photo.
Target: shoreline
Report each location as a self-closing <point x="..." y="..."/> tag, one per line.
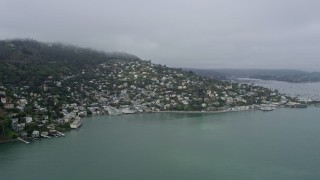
<point x="203" y="112"/>
<point x="7" y="141"/>
<point x="176" y="112"/>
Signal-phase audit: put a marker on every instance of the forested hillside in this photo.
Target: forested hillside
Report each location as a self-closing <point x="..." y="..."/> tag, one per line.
<point x="29" y="61"/>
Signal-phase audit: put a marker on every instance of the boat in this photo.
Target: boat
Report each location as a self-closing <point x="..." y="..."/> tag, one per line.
<point x="61" y="134"/>
<point x="76" y="123"/>
<point x="267" y="109"/>
<point x="300" y="106"/>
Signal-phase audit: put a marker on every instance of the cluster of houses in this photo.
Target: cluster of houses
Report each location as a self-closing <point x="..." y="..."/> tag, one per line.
<point x="124" y="87"/>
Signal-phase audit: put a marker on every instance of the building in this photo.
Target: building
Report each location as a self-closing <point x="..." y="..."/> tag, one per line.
<point x="35" y="134"/>
<point x="8" y="106"/>
<point x="3" y="100"/>
<point x="28" y="119"/>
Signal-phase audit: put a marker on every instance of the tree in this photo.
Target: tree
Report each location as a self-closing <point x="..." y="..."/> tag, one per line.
<point x="4" y="126"/>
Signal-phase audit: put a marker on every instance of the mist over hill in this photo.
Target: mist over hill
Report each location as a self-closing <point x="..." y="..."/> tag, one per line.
<point x="30" y="60"/>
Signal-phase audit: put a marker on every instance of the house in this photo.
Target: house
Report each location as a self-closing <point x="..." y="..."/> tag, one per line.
<point x="19" y="127"/>
<point x="58" y="83"/>
<point x="3" y="100"/>
<point x="2" y="93"/>
<point x="28" y="119"/>
<point x="184" y="102"/>
<point x="45" y="133"/>
<point x="23" y="102"/>
<point x="23" y="134"/>
<point x="14" y="123"/>
<point x="82" y="114"/>
<point x="229" y="100"/>
<point x="51" y="126"/>
<point x="35" y="134"/>
<point x="59" y="121"/>
<point x="14" y="120"/>
<point x="8" y="106"/>
<point x="45" y="121"/>
<point x="68" y="117"/>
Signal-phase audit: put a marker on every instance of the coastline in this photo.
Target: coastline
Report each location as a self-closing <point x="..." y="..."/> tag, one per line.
<point x="185" y="130"/>
<point x="203" y="112"/>
<point x="7" y="141"/>
<point x="177" y="112"/>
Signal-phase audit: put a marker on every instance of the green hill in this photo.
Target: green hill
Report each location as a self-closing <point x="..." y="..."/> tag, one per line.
<point x="29" y="61"/>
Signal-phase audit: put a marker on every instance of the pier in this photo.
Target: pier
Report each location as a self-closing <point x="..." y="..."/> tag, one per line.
<point x="61" y="134"/>
<point x="45" y="136"/>
<point x="23" y="141"/>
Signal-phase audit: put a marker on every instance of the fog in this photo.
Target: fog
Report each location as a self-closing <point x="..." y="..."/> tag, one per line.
<point x="180" y="33"/>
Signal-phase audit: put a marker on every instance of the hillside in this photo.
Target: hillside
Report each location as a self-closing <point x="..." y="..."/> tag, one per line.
<point x="47" y="86"/>
<point x="31" y="62"/>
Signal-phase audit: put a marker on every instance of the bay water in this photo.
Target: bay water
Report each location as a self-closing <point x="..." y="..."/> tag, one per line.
<point x="281" y="145"/>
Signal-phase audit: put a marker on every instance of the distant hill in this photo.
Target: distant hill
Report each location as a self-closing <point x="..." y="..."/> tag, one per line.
<point x="296" y="76"/>
<point x="208" y="73"/>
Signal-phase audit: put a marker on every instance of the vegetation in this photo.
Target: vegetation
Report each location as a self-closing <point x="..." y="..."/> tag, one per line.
<point x="30" y="62"/>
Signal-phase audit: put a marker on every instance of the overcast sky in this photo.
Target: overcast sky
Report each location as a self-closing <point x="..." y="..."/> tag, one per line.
<point x="179" y="33"/>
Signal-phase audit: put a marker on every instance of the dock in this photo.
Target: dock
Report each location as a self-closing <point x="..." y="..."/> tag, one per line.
<point x="23" y="141"/>
<point x="45" y="136"/>
<point x="61" y="134"/>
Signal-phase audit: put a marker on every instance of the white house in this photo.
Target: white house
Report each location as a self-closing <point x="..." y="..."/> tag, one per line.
<point x="3" y="100"/>
<point x="28" y="119"/>
<point x="35" y="134"/>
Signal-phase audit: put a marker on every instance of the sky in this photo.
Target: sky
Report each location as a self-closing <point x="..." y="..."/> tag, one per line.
<point x="280" y="34"/>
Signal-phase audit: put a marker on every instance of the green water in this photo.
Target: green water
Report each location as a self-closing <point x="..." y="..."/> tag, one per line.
<point x="279" y="145"/>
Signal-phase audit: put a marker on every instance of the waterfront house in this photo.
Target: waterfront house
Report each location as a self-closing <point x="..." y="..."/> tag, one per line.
<point x="35" y="134"/>
<point x="23" y="134"/>
<point x="67" y="118"/>
<point x="44" y="133"/>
